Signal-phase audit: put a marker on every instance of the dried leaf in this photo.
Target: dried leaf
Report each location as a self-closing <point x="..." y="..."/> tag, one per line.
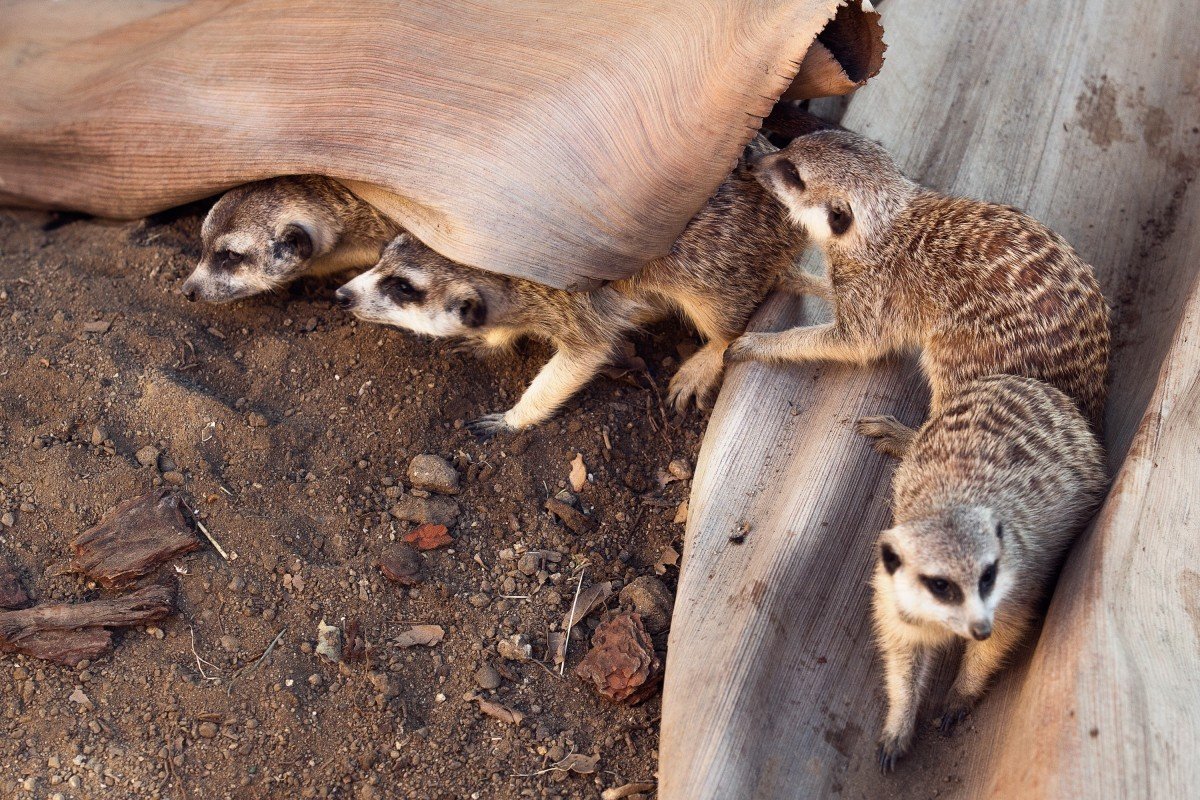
<point x="628" y="790"/>
<point x="579" y="477"/>
<point x="500" y="712"/>
<point x="578" y="763"/>
<point x="429" y="536"/>
<point x="423" y="635"/>
<point x="669" y="557"/>
<point x="556" y="647"/>
<point x="589" y="600"/>
<point x="681" y="514"/>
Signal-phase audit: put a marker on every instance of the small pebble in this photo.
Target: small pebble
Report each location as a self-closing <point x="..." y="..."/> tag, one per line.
<point x="487" y="677"/>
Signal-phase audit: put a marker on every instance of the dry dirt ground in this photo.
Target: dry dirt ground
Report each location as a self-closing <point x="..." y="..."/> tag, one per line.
<point x="290" y="428"/>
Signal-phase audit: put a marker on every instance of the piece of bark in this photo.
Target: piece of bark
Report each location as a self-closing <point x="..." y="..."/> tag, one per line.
<point x="575" y="520"/>
<point x="134" y="539"/>
<point x="420" y="635"/>
<point x="500" y="712"/>
<point x="67" y="633"/>
<point x="12" y="594"/>
<point x="622" y="664"/>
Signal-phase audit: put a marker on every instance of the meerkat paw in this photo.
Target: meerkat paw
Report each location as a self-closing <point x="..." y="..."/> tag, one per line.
<point x="892" y="437"/>
<point x="697" y="379"/>
<point x="488" y="426"/>
<point x="956" y="711"/>
<point x="749" y="347"/>
<point x="892" y="749"/>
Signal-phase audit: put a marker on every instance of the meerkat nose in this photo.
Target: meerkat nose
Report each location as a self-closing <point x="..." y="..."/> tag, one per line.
<point x="344" y="298"/>
<point x="981" y="630"/>
<point x="190" y="293"/>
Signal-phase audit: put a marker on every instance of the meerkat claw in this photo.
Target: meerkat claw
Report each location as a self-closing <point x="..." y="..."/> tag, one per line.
<point x="951" y="717"/>
<point x="742" y="348"/>
<point x="488" y="426"/>
<point x="890" y="751"/>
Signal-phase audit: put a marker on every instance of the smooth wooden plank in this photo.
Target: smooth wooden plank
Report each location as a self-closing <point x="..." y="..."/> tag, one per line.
<point x="1083" y="113"/>
<point x="565" y="142"/>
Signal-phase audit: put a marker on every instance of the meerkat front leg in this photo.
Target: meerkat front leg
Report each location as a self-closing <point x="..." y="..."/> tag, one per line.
<point x="564" y="374"/>
<point x="827" y="342"/>
<point x="907" y="671"/>
<point x="892" y="437"/>
<point x="698" y="376"/>
<point x="980" y="662"/>
<point x="805" y="283"/>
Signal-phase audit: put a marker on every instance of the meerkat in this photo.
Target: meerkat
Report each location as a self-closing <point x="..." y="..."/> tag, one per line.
<point x="992" y="490"/>
<point x="263" y="235"/>
<point x="716" y="274"/>
<point x="979" y="288"/>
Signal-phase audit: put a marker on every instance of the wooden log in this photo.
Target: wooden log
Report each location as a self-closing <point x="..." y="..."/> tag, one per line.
<point x="565" y="142"/>
<point x="1084" y="114"/>
<point x="68" y="633"/>
<point x="135" y="538"/>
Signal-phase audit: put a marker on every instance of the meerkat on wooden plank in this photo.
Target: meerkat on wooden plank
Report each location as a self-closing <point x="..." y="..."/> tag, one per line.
<point x="263" y="235"/>
<point x="991" y="492"/>
<point x="979" y="288"/>
<point x="717" y="273"/>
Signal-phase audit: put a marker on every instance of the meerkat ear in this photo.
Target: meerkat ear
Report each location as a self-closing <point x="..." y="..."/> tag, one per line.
<point x="840" y="217"/>
<point x="294" y="240"/>
<point x="889" y="557"/>
<point x="473" y="311"/>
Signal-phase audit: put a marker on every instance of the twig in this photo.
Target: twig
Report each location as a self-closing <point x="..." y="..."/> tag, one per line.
<point x="209" y="536"/>
<point x="552" y="768"/>
<point x="250" y="668"/>
<point x="199" y="660"/>
<point x="562" y="668"/>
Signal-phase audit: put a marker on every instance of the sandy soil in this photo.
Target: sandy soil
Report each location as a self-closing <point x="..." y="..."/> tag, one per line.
<point x="290" y="428"/>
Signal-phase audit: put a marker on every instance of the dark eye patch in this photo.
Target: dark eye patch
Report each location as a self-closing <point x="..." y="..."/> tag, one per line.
<point x="400" y="291"/>
<point x="791" y="176"/>
<point x="987" y="581"/>
<point x="227" y="260"/>
<point x="946" y="591"/>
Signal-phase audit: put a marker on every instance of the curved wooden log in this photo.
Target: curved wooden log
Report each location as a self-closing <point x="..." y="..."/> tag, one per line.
<point x="564" y="142"/>
<point x="1083" y="113"/>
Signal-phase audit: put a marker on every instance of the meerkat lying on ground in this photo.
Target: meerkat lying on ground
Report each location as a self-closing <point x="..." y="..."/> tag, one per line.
<point x="263" y="235"/>
<point x="981" y="289"/>
<point x="716" y="274"/>
<point x="993" y="489"/>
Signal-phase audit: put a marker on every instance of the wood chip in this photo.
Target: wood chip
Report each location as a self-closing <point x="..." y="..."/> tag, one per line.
<point x="669" y="557"/>
<point x="134" y="539"/>
<point x="579" y="477"/>
<point x="80" y="697"/>
<point x="500" y="712"/>
<point x="420" y="635"/>
<point x="628" y="790"/>
<point x="429" y="536"/>
<point x="589" y="600"/>
<point x="622" y="665"/>
<point x="68" y="633"/>
<point x="681" y="513"/>
<point x="573" y="519"/>
<point x="12" y="594"/>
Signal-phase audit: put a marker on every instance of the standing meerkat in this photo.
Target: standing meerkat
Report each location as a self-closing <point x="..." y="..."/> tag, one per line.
<point x="980" y="288"/>
<point x="993" y="489"/>
<point x="717" y="273"/>
<point x="263" y="235"/>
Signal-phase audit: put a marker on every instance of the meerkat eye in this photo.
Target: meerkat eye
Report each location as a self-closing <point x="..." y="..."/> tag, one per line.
<point x="840" y="218"/>
<point x="944" y="590"/>
<point x="891" y="561"/>
<point x="399" y="290"/>
<point x="987" y="580"/>
<point x="791" y="176"/>
<point x="999" y="530"/>
<point x="227" y="259"/>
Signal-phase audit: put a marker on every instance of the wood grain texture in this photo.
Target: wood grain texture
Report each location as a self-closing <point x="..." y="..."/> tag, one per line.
<point x="565" y="142"/>
<point x="1084" y="113"/>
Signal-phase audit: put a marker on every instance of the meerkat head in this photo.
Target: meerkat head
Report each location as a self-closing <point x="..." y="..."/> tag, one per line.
<point x="415" y="288"/>
<point x="947" y="570"/>
<point x="842" y="188"/>
<point x="259" y="237"/>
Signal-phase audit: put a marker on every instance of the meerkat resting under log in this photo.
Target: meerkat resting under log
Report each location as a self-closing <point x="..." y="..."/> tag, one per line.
<point x="720" y="269"/>
<point x="993" y="489"/>
<point x="981" y="289"/>
<point x="263" y="235"/>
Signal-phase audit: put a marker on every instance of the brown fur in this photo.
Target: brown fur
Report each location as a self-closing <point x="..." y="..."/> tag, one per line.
<point x="1005" y="474"/>
<point x="980" y="288"/>
<point x="280" y="229"/>
<point x="715" y="276"/>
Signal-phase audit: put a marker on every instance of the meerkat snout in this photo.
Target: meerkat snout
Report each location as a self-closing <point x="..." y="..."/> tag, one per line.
<point x="344" y="297"/>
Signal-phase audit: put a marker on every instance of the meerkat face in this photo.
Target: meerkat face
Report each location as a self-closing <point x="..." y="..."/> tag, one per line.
<point x="947" y="571"/>
<point x="836" y="185"/>
<point x="256" y="239"/>
<point x="414" y="288"/>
